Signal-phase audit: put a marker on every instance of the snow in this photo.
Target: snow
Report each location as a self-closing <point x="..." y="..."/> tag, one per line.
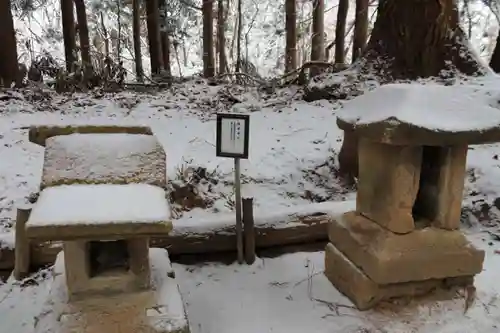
<point x="281" y="218"/>
<point x="99" y="204"/>
<point x="290" y="294"/>
<point x="458" y="108"/>
<point x="100" y="158"/>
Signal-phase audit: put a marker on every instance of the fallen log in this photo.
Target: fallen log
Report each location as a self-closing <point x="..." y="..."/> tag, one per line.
<point x="296" y="225"/>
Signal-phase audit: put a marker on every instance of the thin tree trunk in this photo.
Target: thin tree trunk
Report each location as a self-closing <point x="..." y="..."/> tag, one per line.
<point x="119" y="39"/>
<point x="8" y="54"/>
<point x="154" y="36"/>
<point x="136" y="27"/>
<point x="208" y="39"/>
<point x="318" y="38"/>
<point x="291" y="35"/>
<point x="68" y="27"/>
<point x="164" y="36"/>
<point x="238" y="36"/>
<point x="360" y="29"/>
<point x="340" y="31"/>
<point x="411" y="39"/>
<point x="221" y="37"/>
<point x="84" y="38"/>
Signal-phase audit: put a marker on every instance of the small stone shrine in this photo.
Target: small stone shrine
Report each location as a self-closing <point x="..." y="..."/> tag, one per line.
<point x="102" y="195"/>
<point x="403" y="239"/>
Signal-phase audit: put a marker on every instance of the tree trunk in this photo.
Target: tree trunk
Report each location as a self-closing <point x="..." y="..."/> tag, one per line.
<point x="84" y="39"/>
<point x="68" y="27"/>
<point x="238" y="37"/>
<point x="340" y="31"/>
<point x="360" y="29"/>
<point x="136" y="27"/>
<point x="208" y="39"/>
<point x="495" y="57"/>
<point x="410" y="40"/>
<point x="318" y="38"/>
<point x="164" y="37"/>
<point x="8" y="54"/>
<point x="221" y="37"/>
<point x="291" y="36"/>
<point x="154" y="36"/>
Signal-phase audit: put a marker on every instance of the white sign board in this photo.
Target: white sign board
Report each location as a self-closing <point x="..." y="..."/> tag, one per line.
<point x="232" y="135"/>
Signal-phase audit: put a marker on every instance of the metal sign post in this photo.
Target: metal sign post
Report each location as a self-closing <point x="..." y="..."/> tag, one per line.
<point x="233" y="141"/>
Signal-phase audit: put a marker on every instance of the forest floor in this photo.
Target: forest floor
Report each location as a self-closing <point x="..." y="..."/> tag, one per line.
<point x="293" y="147"/>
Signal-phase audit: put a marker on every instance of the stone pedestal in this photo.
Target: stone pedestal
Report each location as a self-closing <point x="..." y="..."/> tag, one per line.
<point x="369" y="263"/>
<point x="159" y="309"/>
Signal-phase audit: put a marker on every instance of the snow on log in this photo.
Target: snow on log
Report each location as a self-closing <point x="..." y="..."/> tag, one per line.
<point x="201" y="235"/>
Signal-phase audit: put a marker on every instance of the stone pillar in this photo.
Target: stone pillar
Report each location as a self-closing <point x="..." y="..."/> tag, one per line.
<point x="388" y="184"/>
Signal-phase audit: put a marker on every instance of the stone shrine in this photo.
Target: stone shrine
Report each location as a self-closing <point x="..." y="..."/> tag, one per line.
<point x="103" y="195"/>
<point x="403" y="239"/>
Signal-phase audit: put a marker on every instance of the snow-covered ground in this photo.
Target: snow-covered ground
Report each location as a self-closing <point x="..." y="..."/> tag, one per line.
<point x="292" y="162"/>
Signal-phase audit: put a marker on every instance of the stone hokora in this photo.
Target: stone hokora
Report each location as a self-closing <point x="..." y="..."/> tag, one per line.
<point x="388" y="184"/>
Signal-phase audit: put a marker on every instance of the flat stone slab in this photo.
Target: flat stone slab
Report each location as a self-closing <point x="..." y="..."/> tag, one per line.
<point x="115" y="158"/>
<point x="385" y="257"/>
<point x="430" y="114"/>
<point x="160" y="310"/>
<point x="40" y="134"/>
<point x="364" y="293"/>
<point x="104" y="211"/>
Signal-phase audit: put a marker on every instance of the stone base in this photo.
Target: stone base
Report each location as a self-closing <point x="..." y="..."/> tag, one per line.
<point x="386" y="257"/>
<point x="365" y="293"/>
<point x="159" y="310"/>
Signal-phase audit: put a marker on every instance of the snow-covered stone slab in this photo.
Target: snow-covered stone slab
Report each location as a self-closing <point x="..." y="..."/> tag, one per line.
<point x="98" y="211"/>
<point x="104" y="158"/>
<point x="418" y="114"/>
<point x="39" y="134"/>
<point x="160" y="310"/>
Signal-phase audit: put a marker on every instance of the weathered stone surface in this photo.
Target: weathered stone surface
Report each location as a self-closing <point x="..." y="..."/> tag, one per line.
<point x="441" y="186"/>
<point x="80" y="282"/>
<point x="349" y="280"/>
<point x="429" y="253"/>
<point x="159" y="310"/>
<point x="104" y="159"/>
<point x="39" y="134"/>
<point x="388" y="184"/>
<point x="365" y="293"/>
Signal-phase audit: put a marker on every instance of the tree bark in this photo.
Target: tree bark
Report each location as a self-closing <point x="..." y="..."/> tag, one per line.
<point x="343" y="9"/>
<point x="238" y="37"/>
<point x="410" y="40"/>
<point x="83" y="30"/>
<point x="291" y="36"/>
<point x="208" y="39"/>
<point x="164" y="37"/>
<point x="8" y="54"/>
<point x="153" y="20"/>
<point x="360" y="29"/>
<point x="318" y="38"/>
<point x="221" y="37"/>
<point x="68" y="27"/>
<point x="136" y="27"/>
<point x="495" y="57"/>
